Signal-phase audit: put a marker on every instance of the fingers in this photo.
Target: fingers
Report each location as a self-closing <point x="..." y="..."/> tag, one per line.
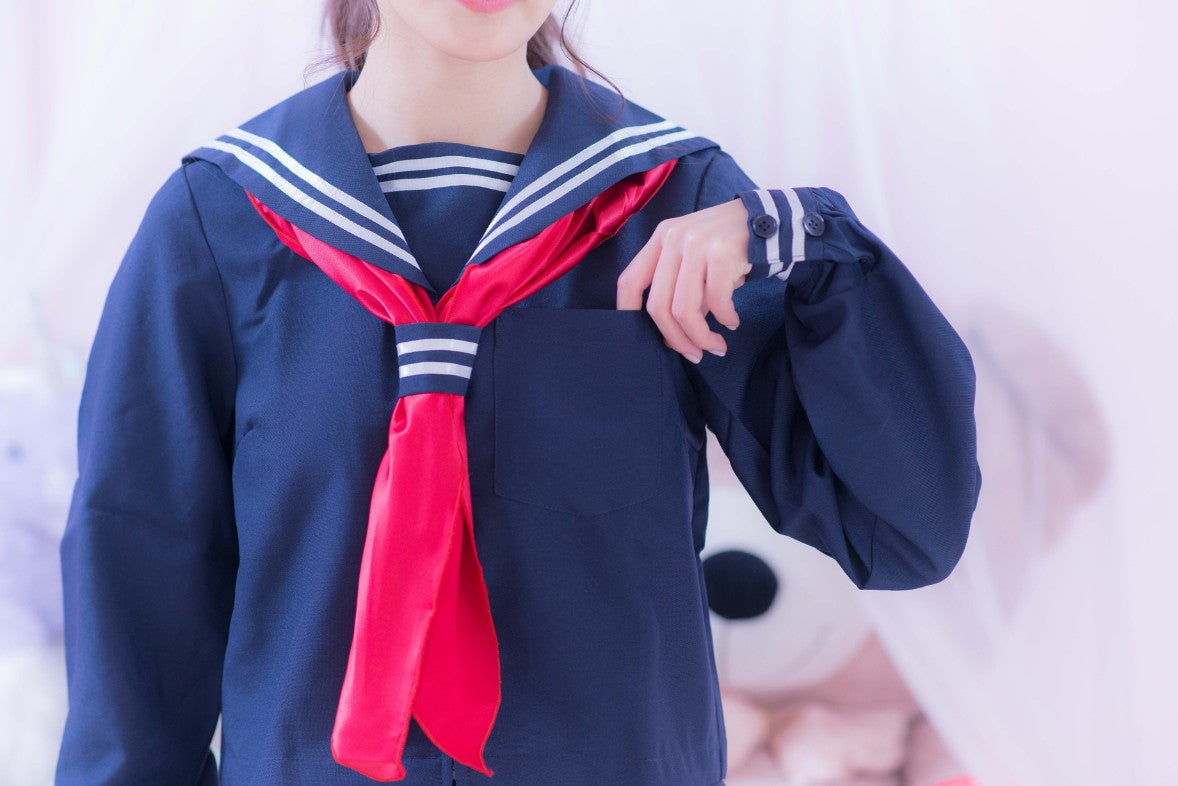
<point x="662" y="290"/>
<point x="719" y="286"/>
<point x="692" y="265"/>
<point x="636" y="276"/>
<point x="687" y="303"/>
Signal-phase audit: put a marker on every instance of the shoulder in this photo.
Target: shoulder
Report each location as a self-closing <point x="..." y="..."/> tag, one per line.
<point x="210" y="186"/>
<point x="228" y="220"/>
<point x="718" y="177"/>
<point x="170" y="226"/>
<point x="721" y="178"/>
<point x="167" y="275"/>
<point x="196" y="212"/>
<point x="196" y="223"/>
<point x="176" y="207"/>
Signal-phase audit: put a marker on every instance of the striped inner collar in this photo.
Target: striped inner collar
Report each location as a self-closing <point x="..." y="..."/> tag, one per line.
<point x="428" y="165"/>
<point x="303" y="157"/>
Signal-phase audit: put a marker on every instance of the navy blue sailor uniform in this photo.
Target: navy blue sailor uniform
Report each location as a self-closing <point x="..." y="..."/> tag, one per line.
<point x="236" y="403"/>
<point x="449" y="186"/>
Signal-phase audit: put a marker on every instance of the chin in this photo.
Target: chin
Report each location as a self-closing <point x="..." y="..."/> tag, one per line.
<point x="477" y="49"/>
<point x="465" y="34"/>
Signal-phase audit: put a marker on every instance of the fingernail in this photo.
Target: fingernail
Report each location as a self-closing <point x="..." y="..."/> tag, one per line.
<point x="718" y="352"/>
<point x="733" y="326"/>
<point x="695" y="358"/>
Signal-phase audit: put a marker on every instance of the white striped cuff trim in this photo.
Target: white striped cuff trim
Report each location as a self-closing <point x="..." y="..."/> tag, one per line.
<point x="772" y="243"/>
<point x="797" y="235"/>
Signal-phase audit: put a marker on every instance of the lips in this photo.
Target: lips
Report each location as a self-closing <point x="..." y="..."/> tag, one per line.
<point x="487" y="6"/>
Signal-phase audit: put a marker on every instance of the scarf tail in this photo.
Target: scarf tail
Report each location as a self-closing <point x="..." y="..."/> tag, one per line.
<point x="424" y="643"/>
<point x="460" y="690"/>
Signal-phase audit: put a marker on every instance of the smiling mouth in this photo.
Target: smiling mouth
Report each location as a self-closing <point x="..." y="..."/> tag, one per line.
<point x="487" y="6"/>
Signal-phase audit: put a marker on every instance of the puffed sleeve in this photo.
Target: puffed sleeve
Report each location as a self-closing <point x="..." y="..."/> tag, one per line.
<point x="845" y="401"/>
<point x="149" y="550"/>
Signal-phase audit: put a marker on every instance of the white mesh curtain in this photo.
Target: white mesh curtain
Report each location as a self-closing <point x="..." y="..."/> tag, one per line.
<point x="1015" y="154"/>
<point x="1020" y="159"/>
<point x="1019" y="658"/>
<point x="99" y="102"/>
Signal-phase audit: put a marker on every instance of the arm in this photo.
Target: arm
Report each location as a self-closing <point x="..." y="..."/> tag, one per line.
<point x="148" y="554"/>
<point x="845" y="400"/>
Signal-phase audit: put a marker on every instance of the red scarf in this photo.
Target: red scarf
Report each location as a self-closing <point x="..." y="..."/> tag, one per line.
<point x="423" y="642"/>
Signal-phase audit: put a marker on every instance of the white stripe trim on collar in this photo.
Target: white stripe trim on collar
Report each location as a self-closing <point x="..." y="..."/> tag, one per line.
<point x="498" y="224"/>
<point x="442" y="162"/>
<point x="443" y="181"/>
<point x="556" y="192"/>
<point x="312" y="204"/>
<point x="564" y="167"/>
<point x="336" y="193"/>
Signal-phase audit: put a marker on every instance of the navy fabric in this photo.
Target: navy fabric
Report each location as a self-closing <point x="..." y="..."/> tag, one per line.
<point x="435" y="356"/>
<point x="443" y="196"/>
<point x="798" y="228"/>
<point x="236" y="405"/>
<point x="304" y="158"/>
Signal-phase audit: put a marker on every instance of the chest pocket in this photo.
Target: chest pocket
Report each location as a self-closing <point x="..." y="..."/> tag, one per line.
<point x="581" y="408"/>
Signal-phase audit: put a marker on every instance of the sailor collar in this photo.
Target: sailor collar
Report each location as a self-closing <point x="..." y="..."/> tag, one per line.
<point x="304" y="159"/>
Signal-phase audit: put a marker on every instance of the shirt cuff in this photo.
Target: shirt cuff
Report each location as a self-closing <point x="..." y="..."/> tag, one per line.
<point x="785" y="227"/>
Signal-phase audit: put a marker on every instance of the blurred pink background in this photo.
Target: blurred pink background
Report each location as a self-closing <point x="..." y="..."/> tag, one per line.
<point x="1019" y="158"/>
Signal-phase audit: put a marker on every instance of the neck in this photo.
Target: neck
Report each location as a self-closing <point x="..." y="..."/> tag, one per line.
<point x="409" y="92"/>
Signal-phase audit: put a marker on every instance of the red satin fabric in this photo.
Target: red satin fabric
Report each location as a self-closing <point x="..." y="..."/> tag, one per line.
<point x="423" y="641"/>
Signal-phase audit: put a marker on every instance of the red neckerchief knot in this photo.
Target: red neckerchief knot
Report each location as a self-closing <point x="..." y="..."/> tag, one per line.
<point x="423" y="642"/>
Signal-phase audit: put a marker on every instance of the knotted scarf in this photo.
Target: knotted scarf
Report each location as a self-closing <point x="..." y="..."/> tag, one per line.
<point x="423" y="642"/>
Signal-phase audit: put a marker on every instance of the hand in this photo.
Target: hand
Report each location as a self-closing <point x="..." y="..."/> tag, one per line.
<point x="692" y="264"/>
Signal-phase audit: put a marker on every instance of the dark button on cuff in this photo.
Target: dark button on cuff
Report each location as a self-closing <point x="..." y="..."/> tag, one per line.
<point x="814" y="224"/>
<point x="765" y="225"/>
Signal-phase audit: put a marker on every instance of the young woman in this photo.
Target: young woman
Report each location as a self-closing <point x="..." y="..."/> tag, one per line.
<point x="391" y="446"/>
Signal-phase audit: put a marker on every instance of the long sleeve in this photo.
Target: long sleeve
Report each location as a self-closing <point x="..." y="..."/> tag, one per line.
<point x="845" y="401"/>
<point x="149" y="552"/>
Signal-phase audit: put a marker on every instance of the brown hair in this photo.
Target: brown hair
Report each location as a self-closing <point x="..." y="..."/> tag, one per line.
<point x="353" y="25"/>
